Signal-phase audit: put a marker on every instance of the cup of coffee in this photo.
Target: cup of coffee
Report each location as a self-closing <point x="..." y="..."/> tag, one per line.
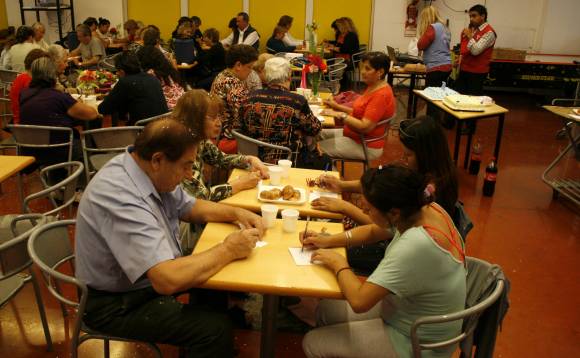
<point x="285" y="164"/>
<point x="275" y="174"/>
<point x="269" y="213"/>
<point x="289" y="220"/>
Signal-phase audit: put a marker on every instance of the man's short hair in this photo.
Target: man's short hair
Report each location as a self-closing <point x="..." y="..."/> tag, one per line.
<point x="277" y="70"/>
<point x="84" y="29"/>
<point x="196" y="20"/>
<point x="240" y="53"/>
<point x="480" y="9"/>
<point x="168" y="136"/>
<point x="244" y="16"/>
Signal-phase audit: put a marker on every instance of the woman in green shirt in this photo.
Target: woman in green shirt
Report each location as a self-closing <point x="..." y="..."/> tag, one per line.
<point x="423" y="273"/>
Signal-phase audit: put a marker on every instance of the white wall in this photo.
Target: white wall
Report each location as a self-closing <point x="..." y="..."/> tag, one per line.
<point x="110" y="9"/>
<point x="545" y="26"/>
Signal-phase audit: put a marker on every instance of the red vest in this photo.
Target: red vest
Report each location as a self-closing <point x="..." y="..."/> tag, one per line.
<point x="479" y="63"/>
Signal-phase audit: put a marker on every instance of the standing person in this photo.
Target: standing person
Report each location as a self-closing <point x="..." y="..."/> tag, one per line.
<point x="231" y="87"/>
<point x="243" y="34"/>
<point x="17" y="53"/>
<point x="128" y="253"/>
<point x="434" y="38"/>
<point x="39" y="32"/>
<point x="137" y="94"/>
<point x="423" y="273"/>
<point x="286" y="22"/>
<point x="90" y="49"/>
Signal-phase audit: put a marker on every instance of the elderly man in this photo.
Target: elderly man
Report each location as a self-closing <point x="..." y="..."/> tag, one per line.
<point x="90" y="49"/>
<point x="128" y="252"/>
<point x="243" y="34"/>
<point x="276" y="115"/>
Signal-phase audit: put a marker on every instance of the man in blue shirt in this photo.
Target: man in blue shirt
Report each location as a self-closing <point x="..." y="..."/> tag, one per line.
<point x="128" y="250"/>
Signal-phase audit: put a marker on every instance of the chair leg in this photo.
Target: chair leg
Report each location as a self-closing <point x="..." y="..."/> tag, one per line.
<point x="106" y="347"/>
<point x="41" y="310"/>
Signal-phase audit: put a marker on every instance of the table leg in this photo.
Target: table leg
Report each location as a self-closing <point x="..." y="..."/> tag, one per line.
<point x="468" y="146"/>
<point x="20" y="189"/>
<point x="410" y="101"/>
<point x="269" y="315"/>
<point x="498" y="136"/>
<point x="457" y="141"/>
<point x="414" y="110"/>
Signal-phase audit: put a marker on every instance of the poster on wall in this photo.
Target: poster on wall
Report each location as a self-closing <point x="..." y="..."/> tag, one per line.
<point x="411" y="22"/>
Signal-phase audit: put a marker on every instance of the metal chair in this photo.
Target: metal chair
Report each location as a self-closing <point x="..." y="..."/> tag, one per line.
<point x="50" y="249"/>
<point x="333" y="77"/>
<point x="6" y="79"/>
<point x="472" y="312"/>
<point x="267" y="152"/>
<point x="14" y="259"/>
<point x="146" y="121"/>
<point x="101" y="145"/>
<point x="356" y="58"/>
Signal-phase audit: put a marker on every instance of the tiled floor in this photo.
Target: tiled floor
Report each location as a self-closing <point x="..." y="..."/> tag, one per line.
<point x="534" y="238"/>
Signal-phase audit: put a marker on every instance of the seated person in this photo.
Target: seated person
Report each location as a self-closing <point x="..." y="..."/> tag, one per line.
<point x="14" y="60"/>
<point x="39" y="31"/>
<point x="376" y="104"/>
<point x="274" y="114"/>
<point x="90" y="49"/>
<point x="60" y="57"/>
<point x="347" y="43"/>
<point x="423" y="273"/>
<point x="137" y="94"/>
<point x="212" y="57"/>
<point x="154" y="63"/>
<point x="276" y="43"/>
<point x="22" y="81"/>
<point x="200" y="112"/>
<point x="286" y="22"/>
<point x="256" y="78"/>
<point x="41" y="104"/>
<point x="102" y="32"/>
<point x="128" y="254"/>
<point x="229" y="85"/>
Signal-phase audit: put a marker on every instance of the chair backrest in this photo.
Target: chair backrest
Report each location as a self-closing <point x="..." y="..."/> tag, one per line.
<point x="334" y="61"/>
<point x="365" y="140"/>
<point x="29" y="136"/>
<point x="251" y="146"/>
<point x="356" y="57"/>
<point x="8" y="76"/>
<point x="65" y="189"/>
<point x="184" y="50"/>
<point x="143" y="122"/>
<point x="462" y="315"/>
<point x="14" y="257"/>
<point x="108" y="63"/>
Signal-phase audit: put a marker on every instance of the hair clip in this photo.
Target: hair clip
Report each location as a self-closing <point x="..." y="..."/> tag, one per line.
<point x="429" y="190"/>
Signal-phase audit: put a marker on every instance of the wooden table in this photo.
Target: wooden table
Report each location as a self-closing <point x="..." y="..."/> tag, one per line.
<point x="270" y="270"/>
<point x="13" y="164"/>
<point x="248" y="199"/>
<point x="400" y="72"/>
<point x="463" y="116"/>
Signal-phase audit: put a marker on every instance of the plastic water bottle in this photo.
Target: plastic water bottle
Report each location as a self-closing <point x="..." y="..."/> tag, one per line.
<point x="475" y="160"/>
<point x="490" y="178"/>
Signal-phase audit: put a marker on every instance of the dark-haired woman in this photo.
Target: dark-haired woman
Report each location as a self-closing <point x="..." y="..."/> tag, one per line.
<point x="212" y="57"/>
<point x="18" y="52"/>
<point x="375" y="105"/>
<point x="155" y="63"/>
<point x="137" y="94"/>
<point x="102" y="32"/>
<point x="423" y="273"/>
<point x="230" y="86"/>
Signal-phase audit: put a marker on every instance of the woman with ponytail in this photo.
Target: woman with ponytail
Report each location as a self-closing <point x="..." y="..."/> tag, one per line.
<point x="423" y="273"/>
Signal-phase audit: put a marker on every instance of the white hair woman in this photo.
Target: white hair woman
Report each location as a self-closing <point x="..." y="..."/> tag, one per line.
<point x="276" y="115"/>
<point x="38" y="38"/>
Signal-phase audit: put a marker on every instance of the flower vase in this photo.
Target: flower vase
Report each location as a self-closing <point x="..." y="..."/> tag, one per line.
<point x="315" y="81"/>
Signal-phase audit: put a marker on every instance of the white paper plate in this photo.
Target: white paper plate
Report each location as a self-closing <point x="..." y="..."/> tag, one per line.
<point x="303" y="195"/>
<point x="315" y="194"/>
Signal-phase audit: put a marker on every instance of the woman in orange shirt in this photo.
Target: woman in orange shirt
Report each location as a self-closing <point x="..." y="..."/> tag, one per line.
<point x="375" y="105"/>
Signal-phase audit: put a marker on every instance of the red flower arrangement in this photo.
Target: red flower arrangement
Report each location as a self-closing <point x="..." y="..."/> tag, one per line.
<point x="113" y="31"/>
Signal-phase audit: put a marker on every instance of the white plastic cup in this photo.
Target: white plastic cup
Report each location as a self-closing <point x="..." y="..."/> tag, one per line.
<point x="285" y="164"/>
<point x="289" y="220"/>
<point x="269" y="213"/>
<point x="275" y="174"/>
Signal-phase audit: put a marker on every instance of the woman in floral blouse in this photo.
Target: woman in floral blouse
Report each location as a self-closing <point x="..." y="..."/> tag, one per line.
<point x="201" y="112"/>
<point x="230" y="86"/>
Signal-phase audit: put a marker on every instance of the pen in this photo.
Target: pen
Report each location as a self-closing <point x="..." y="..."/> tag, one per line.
<point x="305" y="232"/>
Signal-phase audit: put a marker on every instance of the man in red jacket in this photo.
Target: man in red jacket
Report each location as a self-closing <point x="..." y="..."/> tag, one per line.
<point x="477" y="43"/>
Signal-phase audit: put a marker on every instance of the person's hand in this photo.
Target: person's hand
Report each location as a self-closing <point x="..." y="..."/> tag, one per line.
<point x="329" y="259"/>
<point x="248" y="219"/>
<point x="334" y="205"/>
<point x="313" y="240"/>
<point x="76" y="61"/>
<point x="467" y="32"/>
<point x="330" y="102"/>
<point x="330" y="112"/>
<point x="247" y="181"/>
<point x="330" y="182"/>
<point x="241" y="243"/>
<point x="259" y="166"/>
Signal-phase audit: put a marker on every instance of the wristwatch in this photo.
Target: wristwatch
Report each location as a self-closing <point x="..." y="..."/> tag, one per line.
<point x="343" y="115"/>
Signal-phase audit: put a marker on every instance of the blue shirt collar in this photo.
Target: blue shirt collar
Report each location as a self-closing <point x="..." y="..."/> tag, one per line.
<point x="138" y="176"/>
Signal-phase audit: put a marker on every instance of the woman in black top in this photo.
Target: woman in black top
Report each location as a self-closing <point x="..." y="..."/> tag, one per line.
<point x="212" y="57"/>
<point x="275" y="43"/>
<point x="347" y="43"/>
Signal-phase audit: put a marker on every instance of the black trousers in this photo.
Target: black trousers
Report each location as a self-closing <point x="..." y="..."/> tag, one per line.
<point x="435" y="79"/>
<point x="470" y="83"/>
<point x="148" y="316"/>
